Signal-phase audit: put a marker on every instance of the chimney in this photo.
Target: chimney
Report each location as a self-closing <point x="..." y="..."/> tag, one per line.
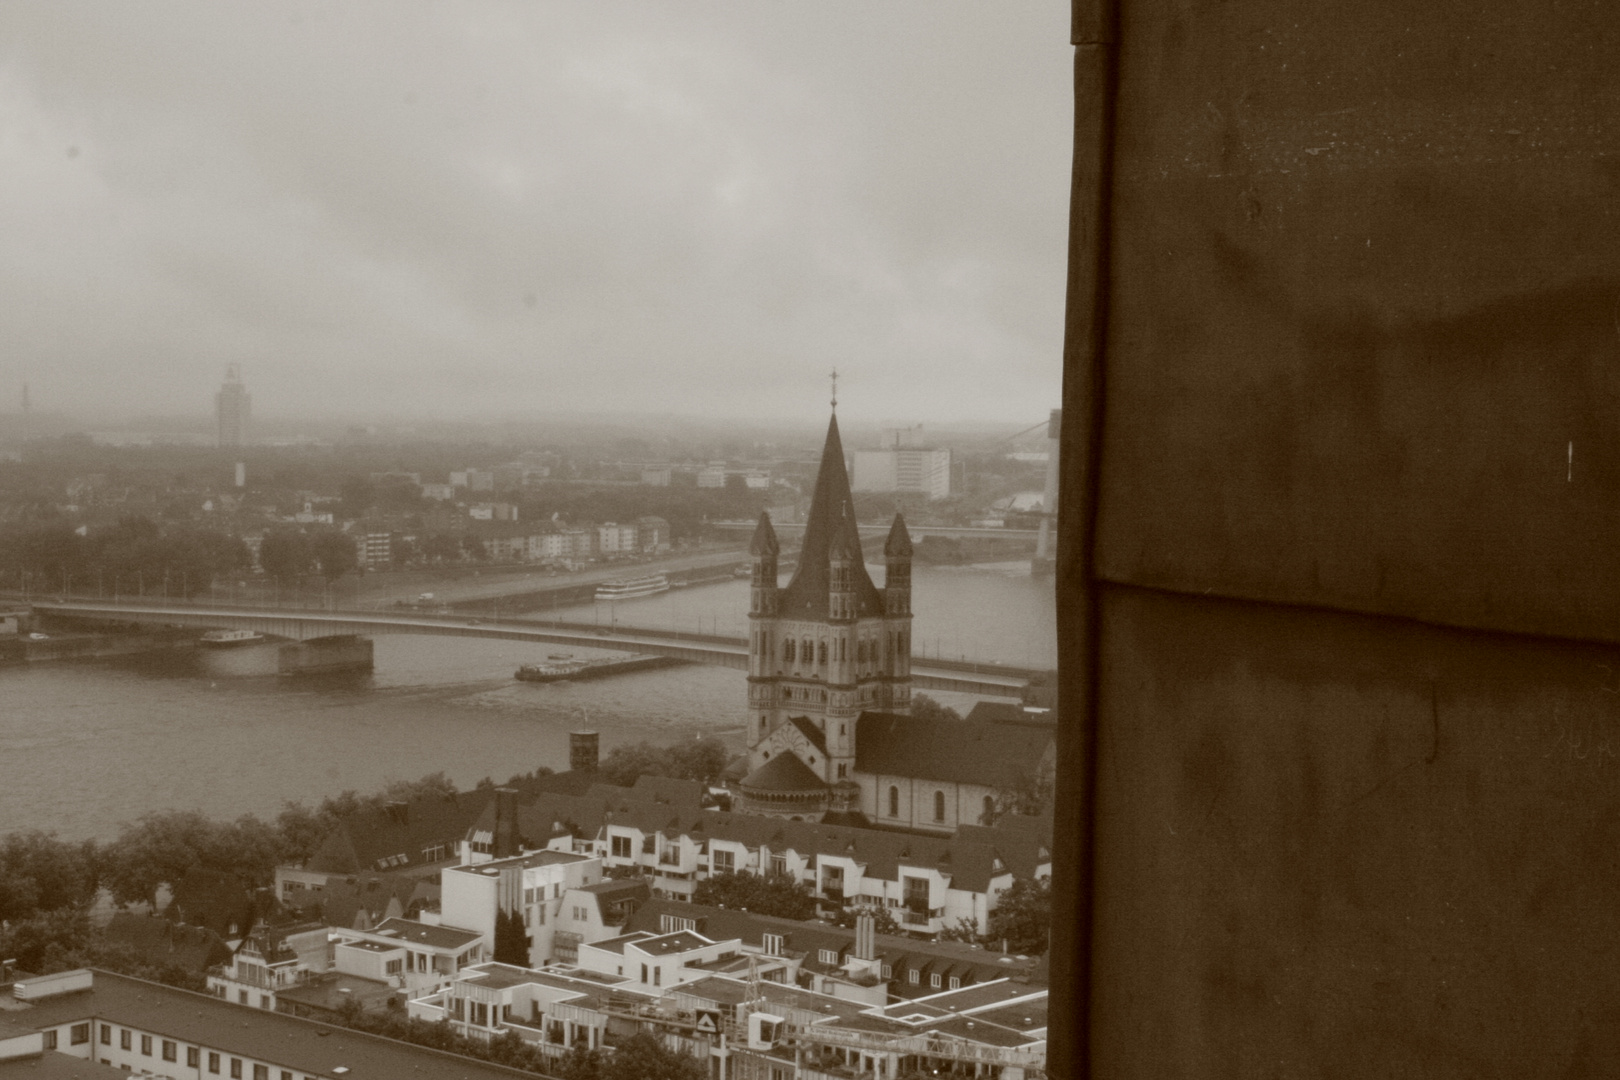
<point x="865" y="936"/>
<point x="584" y="750"/>
<point x="506" y="835"/>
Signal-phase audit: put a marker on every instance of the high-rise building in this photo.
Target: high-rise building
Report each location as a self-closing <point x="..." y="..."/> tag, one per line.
<point x="233" y="409"/>
<point x="904" y="469"/>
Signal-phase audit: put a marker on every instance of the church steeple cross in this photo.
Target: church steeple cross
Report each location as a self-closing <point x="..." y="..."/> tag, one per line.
<point x="835" y="389"/>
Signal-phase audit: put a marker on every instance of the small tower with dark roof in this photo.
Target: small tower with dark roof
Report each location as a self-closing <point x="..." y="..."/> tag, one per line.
<point x="762" y="607"/>
<point x="897" y="599"/>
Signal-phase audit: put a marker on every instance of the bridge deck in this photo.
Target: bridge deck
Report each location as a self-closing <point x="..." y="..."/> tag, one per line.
<point x="301" y="625"/>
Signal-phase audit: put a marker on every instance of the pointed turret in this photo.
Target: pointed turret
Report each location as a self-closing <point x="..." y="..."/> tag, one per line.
<point x="899" y="541"/>
<point x="830" y="530"/>
<point x="764" y="549"/>
<point x="764" y="542"/>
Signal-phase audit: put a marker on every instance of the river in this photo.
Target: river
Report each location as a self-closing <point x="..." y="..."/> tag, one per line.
<point x="88" y="745"/>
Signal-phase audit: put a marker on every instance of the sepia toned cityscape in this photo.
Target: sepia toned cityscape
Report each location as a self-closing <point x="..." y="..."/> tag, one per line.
<point x="536" y="571"/>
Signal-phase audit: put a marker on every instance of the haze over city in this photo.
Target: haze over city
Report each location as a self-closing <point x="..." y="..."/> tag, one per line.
<point x="504" y="209"/>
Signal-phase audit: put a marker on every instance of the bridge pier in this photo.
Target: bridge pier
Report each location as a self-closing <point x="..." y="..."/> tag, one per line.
<point x="323" y="655"/>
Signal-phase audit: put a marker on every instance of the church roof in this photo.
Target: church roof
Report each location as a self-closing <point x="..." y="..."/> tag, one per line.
<point x="817" y="738"/>
<point x="952" y="751"/>
<point x="784" y="772"/>
<point x="764" y="542"/>
<point x="830" y="528"/>
<point x="899" y="541"/>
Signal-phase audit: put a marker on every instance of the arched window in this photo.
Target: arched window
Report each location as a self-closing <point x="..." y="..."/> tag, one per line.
<point x="939" y="806"/>
<point x="821" y="653"/>
<point x="894" y="802"/>
<point x="787" y="650"/>
<point x="860" y="651"/>
<point x="762" y="725"/>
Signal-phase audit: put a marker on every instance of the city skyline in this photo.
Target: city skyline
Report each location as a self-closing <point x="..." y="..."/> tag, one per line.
<point x="536" y="209"/>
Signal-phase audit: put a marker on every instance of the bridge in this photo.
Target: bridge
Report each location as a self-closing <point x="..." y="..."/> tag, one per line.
<point x="878" y="532"/>
<point x="301" y="624"/>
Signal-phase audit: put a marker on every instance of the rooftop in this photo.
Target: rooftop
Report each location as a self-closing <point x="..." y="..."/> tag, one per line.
<point x="54" y="1066"/>
<point x="544" y="857"/>
<point x="438" y="937"/>
<point x="306" y="1046"/>
<point x="678" y="942"/>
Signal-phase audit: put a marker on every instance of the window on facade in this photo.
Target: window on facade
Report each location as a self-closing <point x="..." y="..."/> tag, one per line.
<point x="939" y="806"/>
<point x="762" y="723"/>
<point x="79" y="1033"/>
<point x="779" y="864"/>
<point x="843" y="772"/>
<point x="933" y="980"/>
<point x="888" y="972"/>
<point x="773" y="944"/>
<point x="395" y="967"/>
<point x="911" y="976"/>
<point x="956" y="983"/>
<point x="894" y="802"/>
<point x="241" y="997"/>
<point x="829" y="956"/>
<point x="840" y="729"/>
<point x="124" y="1037"/>
<point x="236" y="1069"/>
<point x="261" y="1072"/>
<point x="724" y="861"/>
<point x="170" y="1051"/>
<point x="146" y="1045"/>
<point x="213" y="1063"/>
<point x="787" y="650"/>
<point x="106" y="1034"/>
<point x="821" y="653"/>
<point x="658" y="976"/>
<point x="50" y="1040"/>
<point x="193" y="1055"/>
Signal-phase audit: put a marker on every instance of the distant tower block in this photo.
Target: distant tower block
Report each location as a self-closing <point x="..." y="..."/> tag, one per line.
<point x="233" y="409"/>
<point x="584" y="750"/>
<point x="1047" y="540"/>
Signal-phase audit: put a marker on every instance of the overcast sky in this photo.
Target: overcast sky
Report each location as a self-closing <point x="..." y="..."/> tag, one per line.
<point x="463" y="208"/>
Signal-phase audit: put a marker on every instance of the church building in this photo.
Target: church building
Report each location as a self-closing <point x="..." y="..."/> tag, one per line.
<point x="830" y="736"/>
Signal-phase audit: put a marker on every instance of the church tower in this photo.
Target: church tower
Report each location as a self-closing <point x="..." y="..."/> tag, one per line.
<point x="824" y="648"/>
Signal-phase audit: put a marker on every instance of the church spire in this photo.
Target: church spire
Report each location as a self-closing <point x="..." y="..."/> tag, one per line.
<point x="830" y="531"/>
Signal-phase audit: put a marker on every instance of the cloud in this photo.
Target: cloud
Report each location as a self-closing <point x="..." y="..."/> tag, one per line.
<point x="454" y="209"/>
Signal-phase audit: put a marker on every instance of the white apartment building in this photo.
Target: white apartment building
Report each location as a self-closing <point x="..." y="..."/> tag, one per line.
<point x="472" y="896"/>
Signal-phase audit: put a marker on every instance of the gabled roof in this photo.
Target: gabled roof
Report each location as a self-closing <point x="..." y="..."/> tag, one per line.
<point x="817" y="737"/>
<point x="830" y="528"/>
<point x="951" y="751"/>
<point x="784" y="772"/>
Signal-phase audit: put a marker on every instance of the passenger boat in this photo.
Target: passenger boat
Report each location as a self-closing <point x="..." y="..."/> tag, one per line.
<point x="631" y="588"/>
<point x="550" y="672"/>
<point x="219" y="638"/>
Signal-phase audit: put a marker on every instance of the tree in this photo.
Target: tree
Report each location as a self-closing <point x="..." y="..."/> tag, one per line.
<point x="285" y="554"/>
<point x="335" y="553"/>
<point x="511" y="939"/>
<point x="700" y="759"/>
<point x="41" y="873"/>
<point x="644" y="1057"/>
<point x="1030" y="794"/>
<point x="924" y="707"/>
<point x="774" y="894"/>
<point x="1022" y="916"/>
<point x="884" y="922"/>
